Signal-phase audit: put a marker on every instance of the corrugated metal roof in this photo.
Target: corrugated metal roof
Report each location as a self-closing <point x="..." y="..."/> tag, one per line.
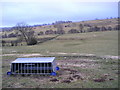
<point x="34" y="60"/>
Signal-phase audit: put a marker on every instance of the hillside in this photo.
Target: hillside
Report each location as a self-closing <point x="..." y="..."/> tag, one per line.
<point x="87" y="25"/>
<point x="75" y="25"/>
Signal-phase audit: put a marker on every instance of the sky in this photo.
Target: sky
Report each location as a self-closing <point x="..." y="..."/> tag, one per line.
<point x="47" y="12"/>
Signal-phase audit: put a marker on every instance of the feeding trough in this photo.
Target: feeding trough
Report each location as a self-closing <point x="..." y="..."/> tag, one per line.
<point x="36" y="65"/>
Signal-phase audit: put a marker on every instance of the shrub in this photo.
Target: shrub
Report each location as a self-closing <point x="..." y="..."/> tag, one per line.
<point x="40" y="33"/>
<point x="3" y="42"/>
<point x="117" y="27"/>
<point x="12" y="35"/>
<point x="109" y="28"/>
<point x="73" y="31"/>
<point x="103" y="28"/>
<point x="32" y="41"/>
<point x="60" y="32"/>
<point x="49" y="32"/>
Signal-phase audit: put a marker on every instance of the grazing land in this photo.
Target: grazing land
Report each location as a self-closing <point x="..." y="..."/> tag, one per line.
<point x="99" y="43"/>
<point x="81" y="58"/>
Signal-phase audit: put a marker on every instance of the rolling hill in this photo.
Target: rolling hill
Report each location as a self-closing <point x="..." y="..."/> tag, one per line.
<point x="70" y="25"/>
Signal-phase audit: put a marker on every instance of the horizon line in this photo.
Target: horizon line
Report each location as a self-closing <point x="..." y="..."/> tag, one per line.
<point x="59" y="20"/>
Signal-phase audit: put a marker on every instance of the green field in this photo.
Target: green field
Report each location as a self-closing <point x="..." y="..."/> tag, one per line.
<point x="93" y="72"/>
<point x="99" y="43"/>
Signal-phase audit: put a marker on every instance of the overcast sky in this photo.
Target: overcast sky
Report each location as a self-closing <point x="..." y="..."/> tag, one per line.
<point x="48" y="12"/>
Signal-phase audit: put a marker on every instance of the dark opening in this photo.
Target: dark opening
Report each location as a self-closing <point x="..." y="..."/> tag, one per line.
<point x="31" y="68"/>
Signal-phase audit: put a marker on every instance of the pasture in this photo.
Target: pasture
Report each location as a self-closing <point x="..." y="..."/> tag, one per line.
<point x="76" y="69"/>
<point x="99" y="43"/>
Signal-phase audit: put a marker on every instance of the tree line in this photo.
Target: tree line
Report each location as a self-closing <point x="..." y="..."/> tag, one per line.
<point x="80" y="30"/>
<point x="61" y="31"/>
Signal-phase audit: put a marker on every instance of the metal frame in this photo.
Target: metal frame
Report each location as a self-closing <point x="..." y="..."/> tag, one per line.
<point x="41" y="65"/>
<point x="29" y="68"/>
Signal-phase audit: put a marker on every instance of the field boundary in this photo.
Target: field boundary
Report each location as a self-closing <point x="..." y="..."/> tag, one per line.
<point x="64" y="55"/>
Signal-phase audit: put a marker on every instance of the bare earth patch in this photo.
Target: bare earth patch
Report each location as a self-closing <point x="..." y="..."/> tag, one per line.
<point x="22" y="55"/>
<point x="87" y="55"/>
<point x="62" y="53"/>
<point x="71" y="70"/>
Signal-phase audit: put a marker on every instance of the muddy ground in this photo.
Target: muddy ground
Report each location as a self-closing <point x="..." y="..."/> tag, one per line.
<point x="72" y="70"/>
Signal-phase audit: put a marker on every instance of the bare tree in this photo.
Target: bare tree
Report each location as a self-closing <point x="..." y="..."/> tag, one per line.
<point x="103" y="28"/>
<point x="26" y="32"/>
<point x="81" y="28"/>
<point x="59" y="29"/>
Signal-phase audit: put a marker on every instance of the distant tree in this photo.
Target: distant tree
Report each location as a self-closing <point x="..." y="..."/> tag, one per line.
<point x="4" y="36"/>
<point x="60" y="22"/>
<point x="26" y="33"/>
<point x="111" y="17"/>
<point x="60" y="32"/>
<point x="103" y="28"/>
<point x="55" y="32"/>
<point x="91" y="29"/>
<point x="117" y="27"/>
<point x="58" y="26"/>
<point x="81" y="28"/>
<point x="40" y="33"/>
<point x="3" y="42"/>
<point x="96" y="19"/>
<point x="109" y="28"/>
<point x="15" y="42"/>
<point x="59" y="29"/>
<point x="73" y="31"/>
<point x="49" y="32"/>
<point x="96" y="28"/>
<point x="12" y="44"/>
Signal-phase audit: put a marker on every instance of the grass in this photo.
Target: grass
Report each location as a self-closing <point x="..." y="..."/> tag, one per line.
<point x="105" y="67"/>
<point x="99" y="43"/>
<point x="45" y="36"/>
